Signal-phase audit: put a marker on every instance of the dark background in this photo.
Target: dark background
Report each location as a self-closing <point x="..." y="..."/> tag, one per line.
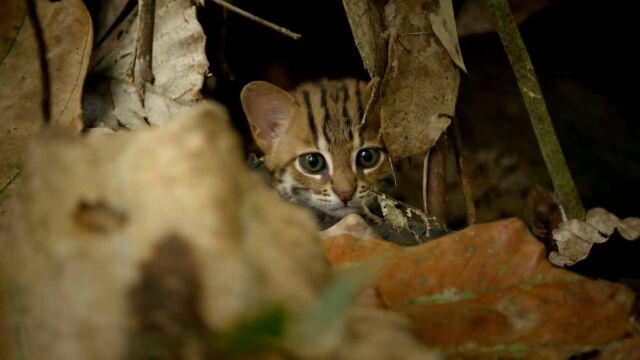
<point x="583" y="55"/>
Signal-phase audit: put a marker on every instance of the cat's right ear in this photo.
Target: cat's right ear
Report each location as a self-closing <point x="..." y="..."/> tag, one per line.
<point x="268" y="109"/>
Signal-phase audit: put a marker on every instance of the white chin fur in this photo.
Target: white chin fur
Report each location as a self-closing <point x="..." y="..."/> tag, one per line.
<point x="341" y="212"/>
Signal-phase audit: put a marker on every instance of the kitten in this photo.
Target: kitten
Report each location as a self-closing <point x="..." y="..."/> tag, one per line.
<point x="317" y="151"/>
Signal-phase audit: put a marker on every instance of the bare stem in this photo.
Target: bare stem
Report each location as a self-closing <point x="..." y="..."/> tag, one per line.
<point x="259" y="20"/>
<point x="144" y="54"/>
<point x="463" y="171"/>
<point x="534" y="102"/>
<point x="436" y="184"/>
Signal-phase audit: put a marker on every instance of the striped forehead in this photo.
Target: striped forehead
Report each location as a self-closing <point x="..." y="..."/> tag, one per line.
<point x="333" y="110"/>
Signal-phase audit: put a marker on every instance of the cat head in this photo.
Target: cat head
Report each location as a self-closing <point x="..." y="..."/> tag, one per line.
<point x="314" y="144"/>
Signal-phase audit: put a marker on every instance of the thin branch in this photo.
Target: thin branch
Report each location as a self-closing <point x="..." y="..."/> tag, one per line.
<point x="259" y="20"/>
<point x="534" y="102"/>
<point x="463" y="171"/>
<point x="436" y="185"/>
<point x="9" y="182"/>
<point x="42" y="61"/>
<point x="425" y="168"/>
<point x="144" y="50"/>
<point x="375" y="85"/>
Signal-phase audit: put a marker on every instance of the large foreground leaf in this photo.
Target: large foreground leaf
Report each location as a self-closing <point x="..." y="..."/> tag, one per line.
<point x="489" y="291"/>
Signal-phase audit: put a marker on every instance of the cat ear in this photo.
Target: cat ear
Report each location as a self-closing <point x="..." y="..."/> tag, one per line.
<point x="268" y="109"/>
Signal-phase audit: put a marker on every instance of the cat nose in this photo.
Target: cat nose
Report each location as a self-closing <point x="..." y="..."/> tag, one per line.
<point x="344" y="194"/>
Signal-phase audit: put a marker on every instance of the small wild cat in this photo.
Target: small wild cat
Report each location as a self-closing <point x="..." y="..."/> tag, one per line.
<point x="315" y="147"/>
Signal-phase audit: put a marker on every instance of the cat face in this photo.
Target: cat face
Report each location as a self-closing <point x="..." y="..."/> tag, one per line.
<point x="315" y="146"/>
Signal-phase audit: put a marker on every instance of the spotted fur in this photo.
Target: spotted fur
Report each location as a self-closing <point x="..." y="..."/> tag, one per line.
<point x="318" y="117"/>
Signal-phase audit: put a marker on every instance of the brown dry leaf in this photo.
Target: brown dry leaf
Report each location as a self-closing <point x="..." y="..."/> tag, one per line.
<point x="179" y="67"/>
<point x="574" y="238"/>
<point x="474" y="18"/>
<point x="420" y="84"/>
<point x="488" y="292"/>
<point x="627" y="349"/>
<point x="68" y="36"/>
<point x="365" y="19"/>
<point x="420" y="81"/>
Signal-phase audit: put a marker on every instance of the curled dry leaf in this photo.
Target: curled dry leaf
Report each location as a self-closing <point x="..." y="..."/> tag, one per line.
<point x="488" y="292"/>
<point x="179" y="66"/>
<point x="574" y="238"/>
<point x="68" y="37"/>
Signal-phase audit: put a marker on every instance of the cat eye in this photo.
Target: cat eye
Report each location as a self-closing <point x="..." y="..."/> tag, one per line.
<point x="312" y="163"/>
<point x="367" y="158"/>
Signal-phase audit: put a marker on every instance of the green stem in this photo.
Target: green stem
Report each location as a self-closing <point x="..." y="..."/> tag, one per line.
<point x="534" y="102"/>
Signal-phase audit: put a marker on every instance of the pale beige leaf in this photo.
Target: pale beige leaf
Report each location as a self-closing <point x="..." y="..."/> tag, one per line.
<point x="443" y="23"/>
<point x="179" y="66"/>
<point x="574" y="238"/>
<point x="392" y="215"/>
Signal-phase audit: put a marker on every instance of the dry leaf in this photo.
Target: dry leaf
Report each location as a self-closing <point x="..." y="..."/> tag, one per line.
<point x="68" y="36"/>
<point x="381" y="335"/>
<point x="488" y="291"/>
<point x="179" y="66"/>
<point x="365" y="19"/>
<point x="474" y="17"/>
<point x="443" y="23"/>
<point x="420" y="84"/>
<point x="574" y="238"/>
<point x="12" y="15"/>
<point x="420" y="81"/>
<point x="621" y="350"/>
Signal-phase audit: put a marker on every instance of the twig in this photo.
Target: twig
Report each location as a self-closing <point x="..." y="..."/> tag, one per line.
<point x="372" y="98"/>
<point x="463" y="171"/>
<point x="144" y="52"/>
<point x="9" y="182"/>
<point x="425" y="177"/>
<point x="259" y="20"/>
<point x="42" y="57"/>
<point x="437" y="199"/>
<point x="534" y="102"/>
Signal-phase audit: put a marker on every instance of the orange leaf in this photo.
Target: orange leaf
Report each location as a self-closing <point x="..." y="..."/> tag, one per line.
<point x="489" y="290"/>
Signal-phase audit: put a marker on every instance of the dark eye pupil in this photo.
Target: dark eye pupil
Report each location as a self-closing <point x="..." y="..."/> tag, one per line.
<point x="313" y="160"/>
<point x="366" y="156"/>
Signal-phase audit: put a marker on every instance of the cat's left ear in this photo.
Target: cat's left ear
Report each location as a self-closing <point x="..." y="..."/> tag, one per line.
<point x="268" y="109"/>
